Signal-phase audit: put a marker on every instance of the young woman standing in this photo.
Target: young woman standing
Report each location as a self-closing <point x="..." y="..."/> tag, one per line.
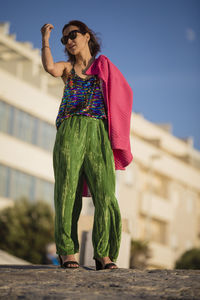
<point x="82" y="149"/>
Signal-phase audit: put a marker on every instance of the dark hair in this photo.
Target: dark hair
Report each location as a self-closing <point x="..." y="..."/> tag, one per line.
<point x="94" y="42"/>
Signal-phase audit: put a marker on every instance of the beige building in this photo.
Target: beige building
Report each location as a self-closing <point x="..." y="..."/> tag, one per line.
<point x="158" y="193"/>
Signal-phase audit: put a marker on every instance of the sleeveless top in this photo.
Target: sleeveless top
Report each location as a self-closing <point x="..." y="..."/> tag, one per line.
<point x="81" y="97"/>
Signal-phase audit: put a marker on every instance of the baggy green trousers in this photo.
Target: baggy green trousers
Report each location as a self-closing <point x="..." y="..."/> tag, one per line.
<point x="82" y="148"/>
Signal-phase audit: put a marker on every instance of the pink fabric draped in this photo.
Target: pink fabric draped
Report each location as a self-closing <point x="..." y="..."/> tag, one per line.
<point x="118" y="97"/>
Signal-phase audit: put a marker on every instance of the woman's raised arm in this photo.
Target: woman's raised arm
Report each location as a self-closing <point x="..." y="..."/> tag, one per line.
<point x="55" y="69"/>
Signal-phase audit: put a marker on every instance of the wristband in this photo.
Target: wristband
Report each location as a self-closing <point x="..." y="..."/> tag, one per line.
<point x="44" y="47"/>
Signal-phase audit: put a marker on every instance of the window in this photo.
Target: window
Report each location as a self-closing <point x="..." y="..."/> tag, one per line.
<point x="15" y="184"/>
<point x="4" y="116"/>
<point x="46" y="136"/>
<point x="3" y="181"/>
<point x="44" y="190"/>
<point x="20" y="184"/>
<point x="158" y="231"/>
<point x="26" y="127"/>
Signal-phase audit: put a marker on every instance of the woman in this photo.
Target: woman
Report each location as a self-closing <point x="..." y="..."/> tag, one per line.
<point x="83" y="158"/>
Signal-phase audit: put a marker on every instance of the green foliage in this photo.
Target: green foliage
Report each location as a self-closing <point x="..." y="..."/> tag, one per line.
<point x="140" y="253"/>
<point x="189" y="259"/>
<point x="26" y="229"/>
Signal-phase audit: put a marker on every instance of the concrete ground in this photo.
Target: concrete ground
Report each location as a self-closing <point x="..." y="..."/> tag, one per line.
<point x="53" y="282"/>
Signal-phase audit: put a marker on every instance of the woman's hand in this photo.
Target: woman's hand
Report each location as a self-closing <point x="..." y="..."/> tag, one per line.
<point x="46" y="30"/>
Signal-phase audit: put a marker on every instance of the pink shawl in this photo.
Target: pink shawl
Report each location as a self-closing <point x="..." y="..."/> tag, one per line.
<point x="118" y="97"/>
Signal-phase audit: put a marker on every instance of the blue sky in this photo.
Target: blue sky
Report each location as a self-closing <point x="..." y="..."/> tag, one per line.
<point x="154" y="43"/>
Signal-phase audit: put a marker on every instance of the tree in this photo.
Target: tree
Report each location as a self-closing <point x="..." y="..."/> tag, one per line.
<point x="190" y="259"/>
<point x="26" y="229"/>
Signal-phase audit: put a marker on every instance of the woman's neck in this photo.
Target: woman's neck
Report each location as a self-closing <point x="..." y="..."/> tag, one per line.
<point x="84" y="64"/>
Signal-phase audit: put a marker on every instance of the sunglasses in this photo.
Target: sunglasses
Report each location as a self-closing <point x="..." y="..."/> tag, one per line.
<point x="72" y="35"/>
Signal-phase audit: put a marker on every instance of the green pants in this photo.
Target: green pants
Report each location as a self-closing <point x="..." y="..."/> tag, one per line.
<point x="82" y="148"/>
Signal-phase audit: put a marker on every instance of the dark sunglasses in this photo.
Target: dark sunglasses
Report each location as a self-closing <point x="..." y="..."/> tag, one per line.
<point x="72" y="35"/>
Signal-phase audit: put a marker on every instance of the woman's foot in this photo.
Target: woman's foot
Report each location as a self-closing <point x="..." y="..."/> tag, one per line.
<point x="106" y="260"/>
<point x="66" y="258"/>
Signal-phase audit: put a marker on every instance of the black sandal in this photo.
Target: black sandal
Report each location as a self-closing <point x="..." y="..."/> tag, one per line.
<point x="67" y="263"/>
<point x="99" y="265"/>
<point x="107" y="266"/>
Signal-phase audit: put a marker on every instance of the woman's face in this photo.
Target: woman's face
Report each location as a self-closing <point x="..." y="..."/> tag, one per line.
<point x="79" y="43"/>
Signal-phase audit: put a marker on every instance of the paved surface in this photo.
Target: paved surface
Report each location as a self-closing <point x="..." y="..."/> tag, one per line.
<point x="52" y="282"/>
